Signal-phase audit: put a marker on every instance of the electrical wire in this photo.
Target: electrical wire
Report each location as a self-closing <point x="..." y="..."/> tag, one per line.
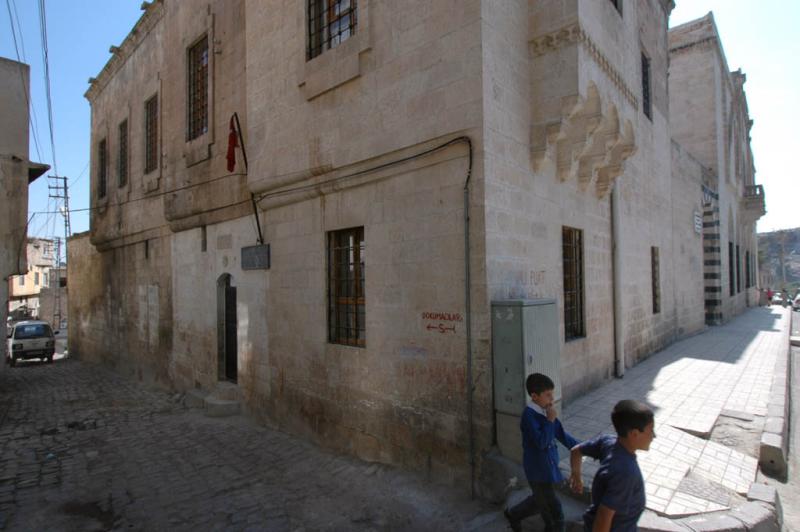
<point x="46" y="62"/>
<point x="279" y="192"/>
<point x="28" y="103"/>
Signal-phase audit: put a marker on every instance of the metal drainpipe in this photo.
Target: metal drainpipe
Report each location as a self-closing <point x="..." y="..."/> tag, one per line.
<point x="468" y="305"/>
<point x="616" y="267"/>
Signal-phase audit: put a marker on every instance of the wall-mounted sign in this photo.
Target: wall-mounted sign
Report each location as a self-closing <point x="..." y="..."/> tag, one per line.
<point x="698" y="222"/>
<point x="255" y="257"/>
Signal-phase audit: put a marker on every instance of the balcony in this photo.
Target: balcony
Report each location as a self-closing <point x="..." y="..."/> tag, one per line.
<point x="753" y="203"/>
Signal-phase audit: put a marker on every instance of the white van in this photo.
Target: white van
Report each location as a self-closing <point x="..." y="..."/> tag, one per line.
<point x="30" y="339"/>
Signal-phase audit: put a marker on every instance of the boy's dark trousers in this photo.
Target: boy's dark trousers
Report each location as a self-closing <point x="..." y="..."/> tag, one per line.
<point x="544" y="501"/>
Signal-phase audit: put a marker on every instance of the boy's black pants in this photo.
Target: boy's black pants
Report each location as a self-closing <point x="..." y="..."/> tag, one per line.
<point x="543" y="500"/>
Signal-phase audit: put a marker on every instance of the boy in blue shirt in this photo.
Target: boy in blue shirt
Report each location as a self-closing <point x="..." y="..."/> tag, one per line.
<point x="540" y="429"/>
<point x="618" y="495"/>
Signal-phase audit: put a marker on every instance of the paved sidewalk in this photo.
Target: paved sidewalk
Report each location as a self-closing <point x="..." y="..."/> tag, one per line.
<point x="726" y="370"/>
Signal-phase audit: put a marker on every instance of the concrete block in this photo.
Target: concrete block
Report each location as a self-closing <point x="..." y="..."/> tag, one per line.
<point x="763" y="493"/>
<point x="772" y="454"/>
<point x="652" y="522"/>
<point x="757" y="517"/>
<point x="720" y="522"/>
<point x="194" y="398"/>
<point x="220" y="407"/>
<point x="774" y="425"/>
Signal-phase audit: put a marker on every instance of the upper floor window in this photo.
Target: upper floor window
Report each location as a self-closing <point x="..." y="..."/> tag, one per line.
<point x="22" y="280"/>
<point x="102" y="168"/>
<point x="646" y="101"/>
<point x="122" y="159"/>
<point x="330" y="23"/>
<point x="198" y="89"/>
<point x="151" y="134"/>
<point x="617" y="4"/>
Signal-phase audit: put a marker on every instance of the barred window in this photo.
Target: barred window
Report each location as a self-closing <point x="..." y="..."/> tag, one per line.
<point x="102" y="168"/>
<point x="346" y="310"/>
<point x="198" y="89"/>
<point x="738" y="270"/>
<point x="747" y="273"/>
<point x="731" y="270"/>
<point x="330" y="23"/>
<point x="151" y="134"/>
<point x="646" y="103"/>
<point x="572" y="251"/>
<point x="122" y="159"/>
<point x="655" y="277"/>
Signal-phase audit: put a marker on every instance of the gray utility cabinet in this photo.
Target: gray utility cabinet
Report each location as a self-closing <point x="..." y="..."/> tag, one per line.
<point x="525" y="340"/>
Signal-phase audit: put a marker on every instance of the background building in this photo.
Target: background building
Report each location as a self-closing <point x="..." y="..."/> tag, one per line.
<point x="24" y="290"/>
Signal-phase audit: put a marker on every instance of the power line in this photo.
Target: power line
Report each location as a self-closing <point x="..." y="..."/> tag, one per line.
<point x="21" y="77"/>
<point x="46" y="62"/>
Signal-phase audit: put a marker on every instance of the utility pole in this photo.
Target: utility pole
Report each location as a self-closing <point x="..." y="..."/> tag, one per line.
<point x="59" y="190"/>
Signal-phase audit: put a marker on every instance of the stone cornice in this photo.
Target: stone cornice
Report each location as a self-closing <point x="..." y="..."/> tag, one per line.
<point x="667" y="6"/>
<point x="574" y="33"/>
<point x="152" y="15"/>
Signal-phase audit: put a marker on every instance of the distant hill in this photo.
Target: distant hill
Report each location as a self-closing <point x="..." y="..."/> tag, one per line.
<point x="771" y="246"/>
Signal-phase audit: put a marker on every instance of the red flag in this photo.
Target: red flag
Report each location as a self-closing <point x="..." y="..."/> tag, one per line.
<point x="233" y="142"/>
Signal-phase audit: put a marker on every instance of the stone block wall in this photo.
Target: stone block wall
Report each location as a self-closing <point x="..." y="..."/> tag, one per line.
<point x="121" y="308"/>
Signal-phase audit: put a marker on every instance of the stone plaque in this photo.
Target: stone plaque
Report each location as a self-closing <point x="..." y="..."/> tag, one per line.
<point x="255" y="257"/>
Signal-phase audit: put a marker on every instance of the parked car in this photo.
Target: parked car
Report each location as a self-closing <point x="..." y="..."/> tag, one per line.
<point x="30" y="339"/>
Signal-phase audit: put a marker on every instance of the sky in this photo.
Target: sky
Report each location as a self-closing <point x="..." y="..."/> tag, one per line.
<point x="761" y="40"/>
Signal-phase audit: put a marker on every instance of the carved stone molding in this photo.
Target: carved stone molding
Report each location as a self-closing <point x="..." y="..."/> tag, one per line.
<point x="589" y="143"/>
<point x="574" y="33"/>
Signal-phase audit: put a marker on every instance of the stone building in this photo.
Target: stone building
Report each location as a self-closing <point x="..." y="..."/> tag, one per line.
<point x="24" y="289"/>
<point x="710" y="119"/>
<point x="407" y="165"/>
<point x="53" y="299"/>
<point x="17" y="171"/>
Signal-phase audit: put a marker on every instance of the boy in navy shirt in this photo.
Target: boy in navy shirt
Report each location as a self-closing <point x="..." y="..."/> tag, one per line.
<point x="540" y="429"/>
<point x="618" y="496"/>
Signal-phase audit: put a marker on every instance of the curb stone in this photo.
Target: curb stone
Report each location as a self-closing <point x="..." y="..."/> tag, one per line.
<point x="773" y="451"/>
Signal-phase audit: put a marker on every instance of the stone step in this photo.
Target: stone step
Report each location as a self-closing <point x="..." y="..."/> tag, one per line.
<point x="216" y="407"/>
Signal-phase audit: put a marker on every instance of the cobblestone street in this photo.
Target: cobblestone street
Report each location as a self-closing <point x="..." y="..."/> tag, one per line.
<point x="83" y="449"/>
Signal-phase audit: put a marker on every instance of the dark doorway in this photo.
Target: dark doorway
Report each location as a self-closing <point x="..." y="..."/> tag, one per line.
<point x="227" y="345"/>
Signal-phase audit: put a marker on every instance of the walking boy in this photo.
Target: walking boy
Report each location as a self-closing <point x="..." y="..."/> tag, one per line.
<point x="540" y="429"/>
<point x="618" y="495"/>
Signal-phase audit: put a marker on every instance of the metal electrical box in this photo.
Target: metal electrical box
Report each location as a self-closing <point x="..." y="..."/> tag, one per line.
<point x="525" y="340"/>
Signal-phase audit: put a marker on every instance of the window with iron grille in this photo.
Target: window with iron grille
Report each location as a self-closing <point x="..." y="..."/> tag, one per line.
<point x="102" y="168"/>
<point x="346" y="310"/>
<point x="738" y="270"/>
<point x="731" y="270"/>
<point x="198" y="89"/>
<point x="617" y="4"/>
<point x="572" y="251"/>
<point x="655" y="277"/>
<point x="747" y="273"/>
<point x="151" y="134"/>
<point x="122" y="160"/>
<point x="646" y="103"/>
<point x="330" y="23"/>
